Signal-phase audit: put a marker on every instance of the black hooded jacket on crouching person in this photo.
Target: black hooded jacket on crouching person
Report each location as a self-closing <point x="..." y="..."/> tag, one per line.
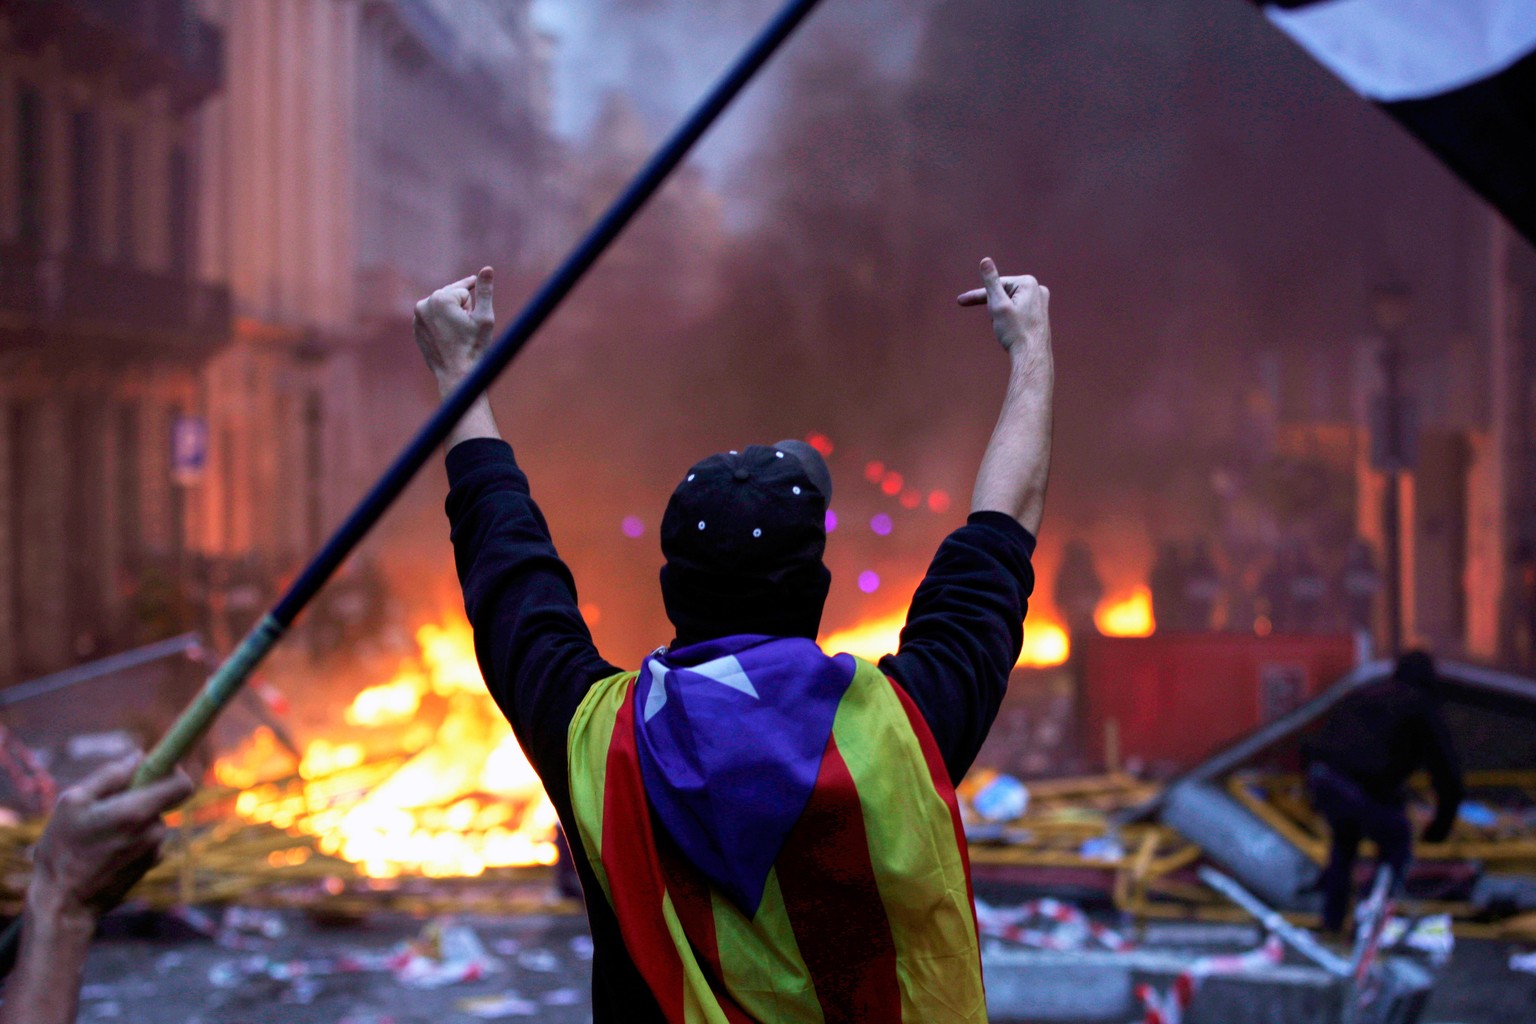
<point x="1358" y="767"/>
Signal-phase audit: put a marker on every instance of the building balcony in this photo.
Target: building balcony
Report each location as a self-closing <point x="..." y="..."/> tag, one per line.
<point x="114" y="312"/>
<point x="150" y="43"/>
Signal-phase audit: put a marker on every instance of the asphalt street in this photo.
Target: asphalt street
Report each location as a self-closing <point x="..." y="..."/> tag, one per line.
<point x="541" y="970"/>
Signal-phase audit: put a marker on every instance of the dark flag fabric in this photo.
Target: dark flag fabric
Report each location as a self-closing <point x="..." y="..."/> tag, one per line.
<point x="778" y="837"/>
<point x="1459" y="74"/>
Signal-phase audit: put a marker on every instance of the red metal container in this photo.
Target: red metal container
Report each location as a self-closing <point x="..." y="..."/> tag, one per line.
<point x="1168" y="701"/>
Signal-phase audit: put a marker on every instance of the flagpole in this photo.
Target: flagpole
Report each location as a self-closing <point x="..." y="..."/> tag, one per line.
<point x="227" y="680"/>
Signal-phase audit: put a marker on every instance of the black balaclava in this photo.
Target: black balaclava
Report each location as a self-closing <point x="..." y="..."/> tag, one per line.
<point x="743" y="537"/>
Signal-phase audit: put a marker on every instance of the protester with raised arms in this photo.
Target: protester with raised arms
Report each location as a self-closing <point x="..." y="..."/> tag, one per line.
<point x="764" y="832"/>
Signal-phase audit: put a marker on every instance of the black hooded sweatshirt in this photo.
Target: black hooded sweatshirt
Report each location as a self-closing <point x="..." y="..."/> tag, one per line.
<point x="963" y="635"/>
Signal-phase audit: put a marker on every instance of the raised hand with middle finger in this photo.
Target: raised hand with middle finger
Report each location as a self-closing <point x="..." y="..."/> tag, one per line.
<point x="1020" y="308"/>
<point x="454" y="326"/>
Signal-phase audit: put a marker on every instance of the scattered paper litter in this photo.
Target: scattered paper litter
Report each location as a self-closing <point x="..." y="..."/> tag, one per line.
<point x="1005" y="798"/>
<point x="498" y="1007"/>
<point x="446" y="953"/>
<point x="540" y="960"/>
<point x="561" y="997"/>
<point x="1430" y="935"/>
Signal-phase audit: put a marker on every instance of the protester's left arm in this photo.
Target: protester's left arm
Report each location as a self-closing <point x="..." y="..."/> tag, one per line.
<point x="964" y="632"/>
<point x="965" y="627"/>
<point x="101" y="839"/>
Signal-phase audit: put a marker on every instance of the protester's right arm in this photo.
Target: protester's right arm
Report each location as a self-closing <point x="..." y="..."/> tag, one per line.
<point x="533" y="646"/>
<point x="454" y="326"/>
<point x="1017" y="462"/>
<point x="100" y="839"/>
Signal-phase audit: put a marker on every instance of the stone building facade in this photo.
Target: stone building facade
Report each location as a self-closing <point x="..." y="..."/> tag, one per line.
<point x="365" y="152"/>
<point x="214" y="218"/>
<point x="107" y="317"/>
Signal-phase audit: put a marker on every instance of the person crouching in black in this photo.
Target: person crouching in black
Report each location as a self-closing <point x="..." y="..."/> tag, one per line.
<point x="1359" y="764"/>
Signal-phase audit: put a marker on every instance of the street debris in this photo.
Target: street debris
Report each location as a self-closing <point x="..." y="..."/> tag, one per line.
<point x="102" y="746"/>
<point x="498" y="1007"/>
<point x="1299" y="939"/>
<point x="446" y="953"/>
<point x="1001" y="799"/>
<point x="1523" y="962"/>
<point x="1104" y="848"/>
<point x="513" y="1004"/>
<point x="539" y="960"/>
<point x="1047" y="924"/>
<point x="1429" y="935"/>
<point x="1169" y="1006"/>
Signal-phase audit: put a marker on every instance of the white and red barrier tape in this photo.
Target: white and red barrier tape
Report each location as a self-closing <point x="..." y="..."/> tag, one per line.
<point x="1169" y="1007"/>
<point x="1047" y="924"/>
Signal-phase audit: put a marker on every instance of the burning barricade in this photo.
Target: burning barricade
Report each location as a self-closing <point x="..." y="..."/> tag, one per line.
<point x="417" y="783"/>
<point x="440" y="791"/>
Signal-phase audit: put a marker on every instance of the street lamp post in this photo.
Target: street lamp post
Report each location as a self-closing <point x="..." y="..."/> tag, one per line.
<point x="1391" y="450"/>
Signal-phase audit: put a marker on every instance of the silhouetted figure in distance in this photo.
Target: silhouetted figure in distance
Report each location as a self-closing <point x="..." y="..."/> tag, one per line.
<point x="1359" y="764"/>
<point x="1078" y="588"/>
<point x="1202" y="587"/>
<point x="1167" y="586"/>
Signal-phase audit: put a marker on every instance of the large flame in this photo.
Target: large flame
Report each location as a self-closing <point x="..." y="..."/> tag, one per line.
<point x="459" y="798"/>
<point x="1130" y="615"/>
<point x="450" y="796"/>
<point x="1045" y="642"/>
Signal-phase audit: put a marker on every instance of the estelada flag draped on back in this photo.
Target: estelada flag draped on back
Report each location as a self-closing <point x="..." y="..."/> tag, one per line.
<point x="778" y="837"/>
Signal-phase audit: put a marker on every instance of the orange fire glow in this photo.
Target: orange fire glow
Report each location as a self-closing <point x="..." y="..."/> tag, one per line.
<point x="870" y="640"/>
<point x="1045" y="642"/>
<point x="1130" y="615"/>
<point x="455" y="798"/>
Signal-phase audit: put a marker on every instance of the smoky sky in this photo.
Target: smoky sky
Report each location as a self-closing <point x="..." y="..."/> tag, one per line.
<point x="1209" y="208"/>
<point x="663" y="54"/>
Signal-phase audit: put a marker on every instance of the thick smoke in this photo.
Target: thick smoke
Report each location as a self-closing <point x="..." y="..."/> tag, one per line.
<point x="1209" y="208"/>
